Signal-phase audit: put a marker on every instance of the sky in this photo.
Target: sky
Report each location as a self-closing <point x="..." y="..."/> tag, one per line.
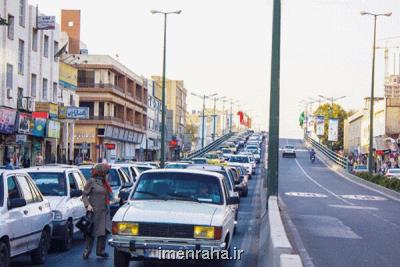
<point x="224" y="47"/>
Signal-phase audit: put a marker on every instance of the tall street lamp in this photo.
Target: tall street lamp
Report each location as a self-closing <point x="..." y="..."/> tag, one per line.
<point x="231" y="114"/>
<point x="371" y="110"/>
<point x="204" y="97"/>
<point x="163" y="111"/>
<point x="224" y="115"/>
<point x="215" y="115"/>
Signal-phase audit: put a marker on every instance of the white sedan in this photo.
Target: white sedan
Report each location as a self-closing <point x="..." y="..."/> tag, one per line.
<point x="393" y="173"/>
<point x="173" y="210"/>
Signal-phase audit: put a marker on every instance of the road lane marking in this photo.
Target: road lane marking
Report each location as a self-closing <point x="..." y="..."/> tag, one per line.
<point x="321" y="186"/>
<point x="352" y="207"/>
<point x="304" y="194"/>
<point x="364" y="197"/>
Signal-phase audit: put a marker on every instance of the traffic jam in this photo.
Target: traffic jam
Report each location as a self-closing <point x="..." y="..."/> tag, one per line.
<point x="139" y="209"/>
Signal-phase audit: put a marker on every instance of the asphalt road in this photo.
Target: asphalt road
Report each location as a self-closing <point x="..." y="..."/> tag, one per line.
<point x="340" y="223"/>
<point x="246" y="239"/>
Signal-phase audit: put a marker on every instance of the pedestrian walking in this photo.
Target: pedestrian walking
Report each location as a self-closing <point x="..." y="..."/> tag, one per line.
<point x="96" y="198"/>
<point x="26" y="162"/>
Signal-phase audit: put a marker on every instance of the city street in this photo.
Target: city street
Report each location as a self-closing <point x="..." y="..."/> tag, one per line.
<point x="246" y="238"/>
<point x="340" y="222"/>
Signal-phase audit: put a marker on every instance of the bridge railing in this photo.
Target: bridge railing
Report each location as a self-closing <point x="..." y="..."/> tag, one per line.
<point x="209" y="147"/>
<point x="337" y="158"/>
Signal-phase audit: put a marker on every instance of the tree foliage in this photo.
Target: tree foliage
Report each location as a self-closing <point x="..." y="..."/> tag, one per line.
<point x="337" y="112"/>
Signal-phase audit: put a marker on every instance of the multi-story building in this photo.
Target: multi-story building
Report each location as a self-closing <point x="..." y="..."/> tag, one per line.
<point x="392" y="86"/>
<point x="117" y="101"/>
<point x="29" y="82"/>
<point x="175" y="103"/>
<point x="153" y="133"/>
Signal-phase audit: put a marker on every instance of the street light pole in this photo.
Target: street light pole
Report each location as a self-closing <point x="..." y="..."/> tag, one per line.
<point x="204" y="97"/>
<point x="371" y="109"/>
<point x="215" y="116"/>
<point x="163" y="109"/>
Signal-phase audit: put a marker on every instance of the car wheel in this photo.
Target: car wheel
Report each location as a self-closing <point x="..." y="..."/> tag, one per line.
<point x="121" y="259"/>
<point x="66" y="243"/>
<point x="4" y="255"/>
<point x="39" y="255"/>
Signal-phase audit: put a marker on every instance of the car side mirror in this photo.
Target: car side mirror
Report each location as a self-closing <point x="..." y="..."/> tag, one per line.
<point x="127" y="185"/>
<point x="16" y="203"/>
<point x="232" y="200"/>
<point x="76" y="193"/>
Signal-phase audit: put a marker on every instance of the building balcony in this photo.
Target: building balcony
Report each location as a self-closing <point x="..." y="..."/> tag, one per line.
<point x="110" y="120"/>
<point x="101" y="85"/>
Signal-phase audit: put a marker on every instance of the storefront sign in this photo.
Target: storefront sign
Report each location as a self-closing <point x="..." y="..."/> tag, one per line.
<point x="109" y="146"/>
<point x="50" y="108"/>
<point x="53" y="129"/>
<point x="42" y="115"/>
<point x="85" y="134"/>
<point x="39" y="125"/>
<point x="25" y="123"/>
<point x="7" y="120"/>
<point x="21" y="138"/>
<point x="77" y="113"/>
<point x="68" y="76"/>
<point x="46" y="22"/>
<point x="62" y="112"/>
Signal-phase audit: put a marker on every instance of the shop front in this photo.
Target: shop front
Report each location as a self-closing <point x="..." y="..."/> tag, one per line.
<point x="7" y="134"/>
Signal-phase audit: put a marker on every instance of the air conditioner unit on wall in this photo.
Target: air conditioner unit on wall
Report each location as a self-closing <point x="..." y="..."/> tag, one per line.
<point x="9" y="93"/>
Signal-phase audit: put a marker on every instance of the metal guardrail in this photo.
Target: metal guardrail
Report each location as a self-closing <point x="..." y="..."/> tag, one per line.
<point x="338" y="159"/>
<point x="209" y="147"/>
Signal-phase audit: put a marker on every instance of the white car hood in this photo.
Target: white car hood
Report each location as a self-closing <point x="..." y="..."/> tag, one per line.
<point x="249" y="165"/>
<point x="170" y="211"/>
<point x="56" y="201"/>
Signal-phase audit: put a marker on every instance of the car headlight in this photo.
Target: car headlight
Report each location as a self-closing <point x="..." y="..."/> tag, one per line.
<point x="207" y="232"/>
<point x="124" y="228"/>
<point x="57" y="215"/>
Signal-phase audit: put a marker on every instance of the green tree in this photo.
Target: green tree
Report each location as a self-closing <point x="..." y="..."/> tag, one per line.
<point x="337" y="112"/>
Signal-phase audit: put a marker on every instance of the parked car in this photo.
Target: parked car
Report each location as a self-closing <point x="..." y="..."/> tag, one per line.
<point x="239" y="186"/>
<point x="288" y="151"/>
<point x="119" y="181"/>
<point x="393" y="173"/>
<point x="203" y="215"/>
<point x="63" y="187"/>
<point x="244" y="180"/>
<point x="25" y="218"/>
<point x="360" y="168"/>
<point x="130" y="169"/>
<point x="144" y="167"/>
<point x="176" y="165"/>
<point x="200" y="160"/>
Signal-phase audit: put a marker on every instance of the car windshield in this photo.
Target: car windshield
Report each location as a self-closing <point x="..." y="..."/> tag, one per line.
<point x="126" y="170"/>
<point x="199" y="161"/>
<point x="394" y="171"/>
<point x="212" y="156"/>
<point x="226" y="151"/>
<point x="113" y="178"/>
<point x="251" y="147"/>
<point x="176" y="166"/>
<point x="50" y="183"/>
<point x="361" y="167"/>
<point x="143" y="168"/>
<point x="289" y="147"/>
<point x="239" y="159"/>
<point x="87" y="172"/>
<point x="178" y="186"/>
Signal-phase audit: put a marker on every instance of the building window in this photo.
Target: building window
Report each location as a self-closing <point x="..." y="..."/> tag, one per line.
<point x="86" y="78"/>
<point x="45" y="87"/>
<point x="101" y="109"/>
<point x="71" y="100"/>
<point x="10" y="27"/>
<point x="55" y="92"/>
<point x="70" y="23"/>
<point x="34" y="39"/>
<point x="9" y="81"/>
<point x="20" y="92"/>
<point x="33" y="84"/>
<point x="21" y="52"/>
<point x="46" y="46"/>
<point x="55" y="50"/>
<point x="22" y="9"/>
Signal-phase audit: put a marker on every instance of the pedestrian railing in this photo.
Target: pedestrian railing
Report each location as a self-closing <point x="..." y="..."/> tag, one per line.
<point x="338" y="159"/>
<point x="209" y="147"/>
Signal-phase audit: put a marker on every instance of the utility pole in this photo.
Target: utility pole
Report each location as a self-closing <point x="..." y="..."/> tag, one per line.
<point x="163" y="114"/>
<point x="215" y="116"/>
<point x="273" y="141"/>
<point x="203" y="97"/>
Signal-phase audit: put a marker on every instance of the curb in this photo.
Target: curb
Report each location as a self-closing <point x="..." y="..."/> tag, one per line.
<point x="279" y="250"/>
